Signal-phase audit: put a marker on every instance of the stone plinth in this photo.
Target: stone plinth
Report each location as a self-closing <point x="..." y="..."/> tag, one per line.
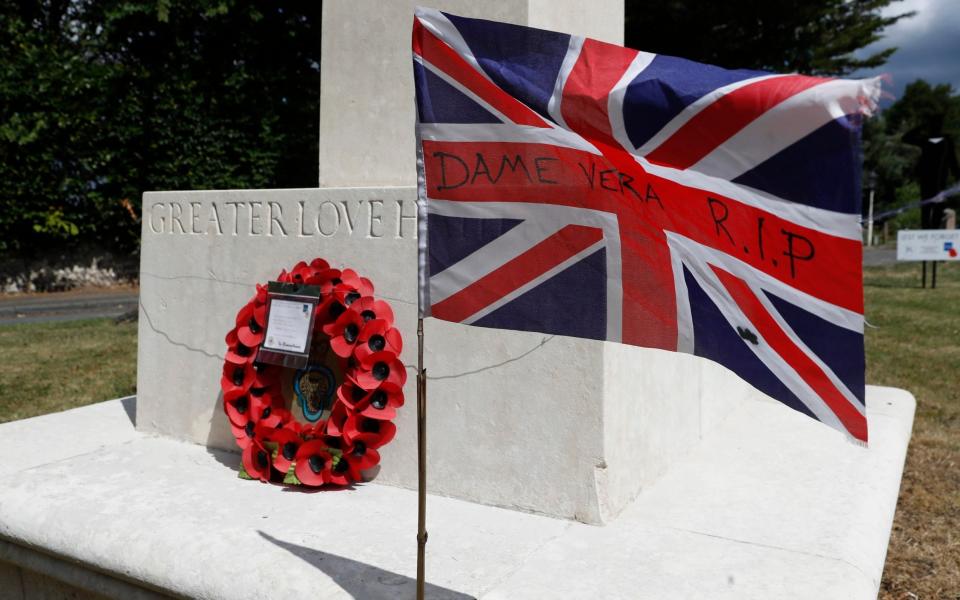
<point x="566" y="427"/>
<point x="366" y="70"/>
<point x="91" y="512"/>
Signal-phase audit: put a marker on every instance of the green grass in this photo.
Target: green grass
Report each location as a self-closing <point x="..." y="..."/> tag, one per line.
<point x="55" y="366"/>
<point x="916" y="340"/>
<point x="914" y="344"/>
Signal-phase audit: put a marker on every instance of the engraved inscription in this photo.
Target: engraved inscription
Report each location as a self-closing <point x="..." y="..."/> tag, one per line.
<point x="372" y="218"/>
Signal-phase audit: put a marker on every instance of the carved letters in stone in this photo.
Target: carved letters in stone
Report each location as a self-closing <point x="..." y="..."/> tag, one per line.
<point x="370" y="218"/>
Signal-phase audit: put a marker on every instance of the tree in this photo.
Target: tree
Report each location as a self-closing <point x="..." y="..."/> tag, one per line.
<point x="816" y="37"/>
<point x="926" y="111"/>
<point x="892" y="160"/>
<point x="893" y="142"/>
<point x="50" y="107"/>
<point x="103" y="100"/>
<point x="929" y="119"/>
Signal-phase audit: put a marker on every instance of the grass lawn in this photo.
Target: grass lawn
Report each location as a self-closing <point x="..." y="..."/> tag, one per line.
<point x="55" y="366"/>
<point x="914" y="344"/>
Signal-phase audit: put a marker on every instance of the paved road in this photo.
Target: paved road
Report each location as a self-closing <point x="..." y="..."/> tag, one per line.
<point x="66" y="306"/>
<point x="879" y="256"/>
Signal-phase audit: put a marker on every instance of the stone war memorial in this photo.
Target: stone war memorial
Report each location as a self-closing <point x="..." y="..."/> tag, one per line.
<point x="557" y="466"/>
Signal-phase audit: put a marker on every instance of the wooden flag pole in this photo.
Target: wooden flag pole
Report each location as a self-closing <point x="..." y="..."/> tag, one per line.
<point x="421" y="461"/>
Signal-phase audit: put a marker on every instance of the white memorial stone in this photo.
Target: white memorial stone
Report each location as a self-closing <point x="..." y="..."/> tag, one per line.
<point x="547" y="424"/>
<point x="366" y="68"/>
<point x="92" y="508"/>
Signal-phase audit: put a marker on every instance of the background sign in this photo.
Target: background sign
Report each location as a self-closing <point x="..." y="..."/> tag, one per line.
<point x="929" y="244"/>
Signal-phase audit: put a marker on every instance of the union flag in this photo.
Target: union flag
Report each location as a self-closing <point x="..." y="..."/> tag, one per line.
<point x="574" y="187"/>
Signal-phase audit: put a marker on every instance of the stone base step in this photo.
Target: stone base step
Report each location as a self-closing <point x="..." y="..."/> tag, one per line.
<point x="773" y="505"/>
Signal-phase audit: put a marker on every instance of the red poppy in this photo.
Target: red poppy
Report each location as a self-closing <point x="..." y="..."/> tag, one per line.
<point x="238" y="353"/>
<point x="359" y="456"/>
<point x="237" y="379"/>
<point x="267" y="413"/>
<point x="379" y="367"/>
<point x="370" y="308"/>
<point x="382" y="403"/>
<point x="256" y="461"/>
<point x="239" y="409"/>
<point x="265" y="375"/>
<point x="349" y="288"/>
<point x="338" y="416"/>
<point x="351" y="280"/>
<point x="346" y="294"/>
<point x="260" y="314"/>
<point x="270" y="393"/>
<point x="252" y="405"/>
<point x="313" y="463"/>
<point x="318" y="264"/>
<point x="330" y="308"/>
<point x="356" y="425"/>
<point x="341" y="473"/>
<point x="301" y="272"/>
<point x="310" y="432"/>
<point x="334" y="442"/>
<point x="250" y="432"/>
<point x="249" y="328"/>
<point x="261" y="296"/>
<point x="295" y="426"/>
<point x="329" y="279"/>
<point x="288" y="444"/>
<point x="352" y="395"/>
<point x="376" y="336"/>
<point x="344" y="333"/>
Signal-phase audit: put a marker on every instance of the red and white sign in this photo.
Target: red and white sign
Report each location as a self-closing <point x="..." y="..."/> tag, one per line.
<point x="928" y="244"/>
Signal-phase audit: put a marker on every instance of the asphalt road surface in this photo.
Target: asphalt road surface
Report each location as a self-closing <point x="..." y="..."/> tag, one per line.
<point x="879" y="256"/>
<point x="66" y="306"/>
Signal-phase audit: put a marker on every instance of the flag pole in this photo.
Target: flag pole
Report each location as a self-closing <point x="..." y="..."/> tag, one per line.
<point x="421" y="461"/>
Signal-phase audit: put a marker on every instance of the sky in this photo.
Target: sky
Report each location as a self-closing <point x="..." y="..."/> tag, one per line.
<point x="928" y="42"/>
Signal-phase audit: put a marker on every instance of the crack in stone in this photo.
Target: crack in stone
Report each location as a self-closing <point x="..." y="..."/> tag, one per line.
<point x="171" y="340"/>
<point x="543" y="342"/>
<point x="520" y="564"/>
<point x="197" y="277"/>
<point x="400" y="300"/>
<point x="247" y="284"/>
<point x="775" y="547"/>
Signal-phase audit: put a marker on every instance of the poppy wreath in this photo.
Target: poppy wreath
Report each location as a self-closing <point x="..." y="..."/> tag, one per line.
<point x="338" y="449"/>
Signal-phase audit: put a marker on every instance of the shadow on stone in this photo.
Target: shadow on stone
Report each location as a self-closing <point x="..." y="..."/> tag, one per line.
<point x="220" y="436"/>
<point x="130" y="407"/>
<point x="226" y="458"/>
<point x="363" y="581"/>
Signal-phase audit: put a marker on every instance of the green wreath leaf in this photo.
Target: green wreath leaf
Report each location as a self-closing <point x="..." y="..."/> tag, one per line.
<point x="291" y="477"/>
<point x="242" y="473"/>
